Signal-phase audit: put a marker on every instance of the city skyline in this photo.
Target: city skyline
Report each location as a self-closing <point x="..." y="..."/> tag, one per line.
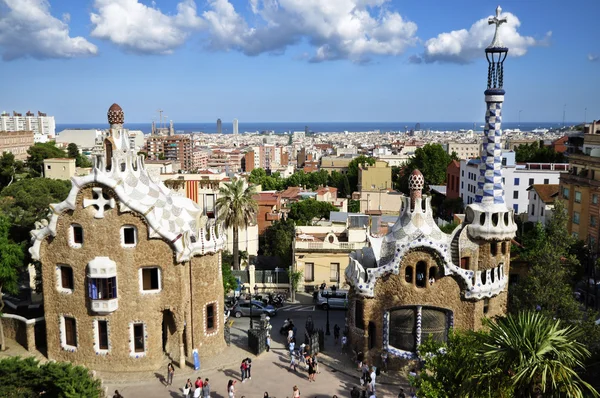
<point x="359" y="61"/>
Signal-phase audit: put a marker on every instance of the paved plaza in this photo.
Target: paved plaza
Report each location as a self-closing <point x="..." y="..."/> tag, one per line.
<point x="270" y="371"/>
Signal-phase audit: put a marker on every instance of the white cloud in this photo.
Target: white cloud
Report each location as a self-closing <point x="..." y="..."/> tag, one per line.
<point x="27" y="29"/>
<point x="337" y="29"/>
<point x="592" y="57"/>
<point x="142" y="29"/>
<point x="464" y="46"/>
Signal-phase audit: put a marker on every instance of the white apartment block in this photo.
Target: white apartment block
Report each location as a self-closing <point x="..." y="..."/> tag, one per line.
<point x="517" y="179"/>
<point x="43" y="127"/>
<point x="464" y="150"/>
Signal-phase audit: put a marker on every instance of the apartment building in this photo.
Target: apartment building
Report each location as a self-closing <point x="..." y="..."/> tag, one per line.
<point x="517" y="178"/>
<point x="375" y="177"/>
<point x="580" y="188"/>
<point x="464" y="150"/>
<point x="42" y="125"/>
<point x="16" y="142"/>
<point x="176" y="148"/>
<point x="541" y="202"/>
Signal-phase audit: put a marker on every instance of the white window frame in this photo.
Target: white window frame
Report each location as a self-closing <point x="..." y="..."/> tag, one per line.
<point x="135" y="236"/>
<point x="72" y="236"/>
<point x="63" y="333"/>
<point x="217" y="316"/>
<point x="97" y="349"/>
<point x="132" y="352"/>
<point x="59" y="286"/>
<point x="141" y="279"/>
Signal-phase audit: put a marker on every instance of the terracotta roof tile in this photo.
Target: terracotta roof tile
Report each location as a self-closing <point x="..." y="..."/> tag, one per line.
<point x="546" y="191"/>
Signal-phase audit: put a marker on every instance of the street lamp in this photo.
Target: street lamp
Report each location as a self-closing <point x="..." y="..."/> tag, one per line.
<point x="252" y="305"/>
<point x="327" y="332"/>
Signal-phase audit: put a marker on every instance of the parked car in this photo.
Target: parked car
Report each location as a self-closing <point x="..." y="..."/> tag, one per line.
<point x="242" y="308"/>
<point x="337" y="299"/>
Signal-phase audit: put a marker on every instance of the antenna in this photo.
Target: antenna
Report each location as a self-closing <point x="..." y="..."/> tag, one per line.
<point x="564" y="113"/>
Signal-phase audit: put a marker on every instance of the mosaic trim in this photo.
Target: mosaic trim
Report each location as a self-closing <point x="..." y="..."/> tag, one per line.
<point x="58" y="274"/>
<point x="132" y="352"/>
<point x="166" y="214"/>
<point x="218" y="319"/>
<point x="97" y="349"/>
<point x="63" y="333"/>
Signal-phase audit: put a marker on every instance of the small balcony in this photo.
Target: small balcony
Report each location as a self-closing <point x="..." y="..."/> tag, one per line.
<point x="101" y="306"/>
<point x="273" y="216"/>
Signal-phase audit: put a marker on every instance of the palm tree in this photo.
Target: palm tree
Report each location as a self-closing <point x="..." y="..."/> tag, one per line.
<point x="540" y="355"/>
<point x="237" y="209"/>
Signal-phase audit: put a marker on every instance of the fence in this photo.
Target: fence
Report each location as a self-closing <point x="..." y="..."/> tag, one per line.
<point x="271" y="276"/>
<point x="242" y="275"/>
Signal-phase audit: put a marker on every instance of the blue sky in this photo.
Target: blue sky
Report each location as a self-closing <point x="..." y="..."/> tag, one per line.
<point x="296" y="60"/>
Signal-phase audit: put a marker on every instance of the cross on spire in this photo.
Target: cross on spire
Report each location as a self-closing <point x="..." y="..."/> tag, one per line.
<point x="496" y="42"/>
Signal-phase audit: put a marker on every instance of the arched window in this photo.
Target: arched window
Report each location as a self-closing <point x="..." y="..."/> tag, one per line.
<point x="403" y="333"/>
<point x="108" y="149"/>
<point x="432" y="275"/>
<point x="408" y="274"/>
<point x="421" y="280"/>
<point x="494" y="248"/>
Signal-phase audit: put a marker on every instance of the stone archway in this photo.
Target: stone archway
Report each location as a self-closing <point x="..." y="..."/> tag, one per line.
<point x="170" y="341"/>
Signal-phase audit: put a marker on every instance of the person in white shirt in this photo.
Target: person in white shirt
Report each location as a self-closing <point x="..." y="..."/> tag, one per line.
<point x="373" y="376"/>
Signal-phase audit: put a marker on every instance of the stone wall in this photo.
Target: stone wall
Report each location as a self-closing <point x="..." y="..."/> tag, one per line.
<point x="166" y="310"/>
<point x="20" y="329"/>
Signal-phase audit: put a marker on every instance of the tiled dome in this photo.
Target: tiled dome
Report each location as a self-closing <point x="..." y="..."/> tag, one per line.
<point x="416" y="181"/>
<point x="115" y="115"/>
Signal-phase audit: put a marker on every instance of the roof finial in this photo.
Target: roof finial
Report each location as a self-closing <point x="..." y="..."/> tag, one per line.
<point x="496" y="42"/>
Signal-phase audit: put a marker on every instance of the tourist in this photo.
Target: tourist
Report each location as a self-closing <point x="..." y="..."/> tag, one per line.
<point x="290" y="335"/>
<point x="206" y="389"/>
<point x="292" y="346"/>
<point x="243" y="369"/>
<point x="268" y="342"/>
<point x="355" y="393"/>
<point x="344" y="342"/>
<point x="231" y="388"/>
<point x="311" y="369"/>
<point x="248" y="368"/>
<point x="373" y="377"/>
<point x="198" y="392"/>
<point x="336" y="334"/>
<point x="117" y="394"/>
<point x="198" y="383"/>
<point x="266" y="395"/>
<point x="296" y="392"/>
<point x="316" y="362"/>
<point x="360" y="357"/>
<point x="170" y="372"/>
<point x="365" y="372"/>
<point x="187" y="390"/>
<point x="401" y="393"/>
<point x="292" y="361"/>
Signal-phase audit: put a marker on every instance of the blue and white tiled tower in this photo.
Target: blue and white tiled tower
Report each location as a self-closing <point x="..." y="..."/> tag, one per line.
<point x="489" y="218"/>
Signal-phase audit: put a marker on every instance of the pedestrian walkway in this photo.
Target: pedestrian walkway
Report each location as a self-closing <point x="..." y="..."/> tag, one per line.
<point x="297" y="308"/>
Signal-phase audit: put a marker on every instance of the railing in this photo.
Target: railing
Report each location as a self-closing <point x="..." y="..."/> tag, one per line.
<point x="271" y="276"/>
<point x="332" y="246"/>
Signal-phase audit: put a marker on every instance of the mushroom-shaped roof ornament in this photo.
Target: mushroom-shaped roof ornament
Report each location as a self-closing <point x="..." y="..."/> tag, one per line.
<point x="115" y="115"/>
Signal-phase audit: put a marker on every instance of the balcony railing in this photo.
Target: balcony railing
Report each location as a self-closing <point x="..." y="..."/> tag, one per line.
<point x="308" y="245"/>
<point x="273" y="216"/>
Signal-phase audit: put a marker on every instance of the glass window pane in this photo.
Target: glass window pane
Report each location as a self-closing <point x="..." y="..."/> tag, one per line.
<point x="434" y="323"/>
<point x="402" y="329"/>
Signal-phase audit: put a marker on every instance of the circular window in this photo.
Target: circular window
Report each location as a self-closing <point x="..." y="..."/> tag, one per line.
<point x="331" y="239"/>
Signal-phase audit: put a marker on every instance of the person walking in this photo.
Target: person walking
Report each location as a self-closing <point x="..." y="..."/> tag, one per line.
<point x="336" y="334"/>
<point x="198" y="392"/>
<point x="117" y="394"/>
<point x="292" y="361"/>
<point x="170" y="372"/>
<point x="268" y="342"/>
<point x="198" y="383"/>
<point x="316" y="362"/>
<point x="373" y="377"/>
<point x="355" y="393"/>
<point x="311" y="369"/>
<point x="292" y="346"/>
<point x="206" y="389"/>
<point x="401" y="394"/>
<point x="296" y="393"/>
<point x="187" y="389"/>
<point x="231" y="389"/>
<point x="344" y="342"/>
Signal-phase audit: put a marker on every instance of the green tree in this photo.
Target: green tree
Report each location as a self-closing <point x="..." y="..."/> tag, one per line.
<point x="432" y="160"/>
<point x="9" y="168"/>
<point x="26" y="201"/>
<point x="27" y="378"/>
<point x="237" y="209"/>
<point x="353" y="206"/>
<point x="547" y="286"/>
<point x="279" y="238"/>
<point x="11" y="260"/>
<point x="72" y="150"/>
<point x="40" y="151"/>
<point x="539" y="355"/>
<point x="534" y="152"/>
<point x="229" y="281"/>
<point x="306" y="211"/>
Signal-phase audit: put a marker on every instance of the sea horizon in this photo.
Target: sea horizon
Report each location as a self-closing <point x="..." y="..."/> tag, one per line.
<point x="319" y="127"/>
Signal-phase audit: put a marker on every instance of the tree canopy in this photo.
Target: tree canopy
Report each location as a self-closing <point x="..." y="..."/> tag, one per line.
<point x="528" y="153"/>
<point x="80" y="160"/>
<point x="26" y="201"/>
<point x="528" y="355"/>
<point x="432" y="160"/>
<point x="40" y="151"/>
<point x="304" y="212"/>
<point x="279" y="239"/>
<point x="27" y="378"/>
<point x="9" y="168"/>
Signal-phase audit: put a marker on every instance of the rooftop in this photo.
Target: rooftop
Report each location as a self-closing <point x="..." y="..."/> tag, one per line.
<point x="546" y="192"/>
